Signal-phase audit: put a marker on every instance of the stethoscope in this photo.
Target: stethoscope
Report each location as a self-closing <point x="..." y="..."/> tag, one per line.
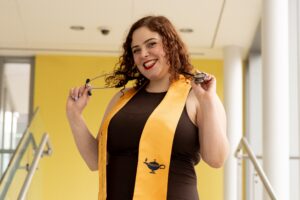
<point x="87" y="81"/>
<point x="198" y="78"/>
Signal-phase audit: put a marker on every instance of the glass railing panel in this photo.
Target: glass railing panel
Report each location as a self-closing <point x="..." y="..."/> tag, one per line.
<point x="19" y="174"/>
<point x="15" y="175"/>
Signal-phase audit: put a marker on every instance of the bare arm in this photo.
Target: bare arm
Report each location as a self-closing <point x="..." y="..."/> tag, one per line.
<point x="211" y="120"/>
<point x="86" y="143"/>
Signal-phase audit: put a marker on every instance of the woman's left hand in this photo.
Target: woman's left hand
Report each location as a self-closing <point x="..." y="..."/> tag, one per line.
<point x="206" y="88"/>
<point x="211" y="120"/>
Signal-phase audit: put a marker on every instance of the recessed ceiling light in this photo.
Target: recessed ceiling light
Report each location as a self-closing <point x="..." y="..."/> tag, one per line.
<point x="186" y="30"/>
<point x="77" y="28"/>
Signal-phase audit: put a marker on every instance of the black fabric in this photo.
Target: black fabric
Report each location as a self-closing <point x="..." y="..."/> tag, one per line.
<point x="124" y="133"/>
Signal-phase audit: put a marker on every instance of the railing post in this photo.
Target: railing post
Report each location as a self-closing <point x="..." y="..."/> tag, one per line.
<point x="33" y="167"/>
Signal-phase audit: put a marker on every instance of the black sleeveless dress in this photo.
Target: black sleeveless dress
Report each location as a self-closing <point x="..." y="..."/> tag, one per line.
<point x="124" y="133"/>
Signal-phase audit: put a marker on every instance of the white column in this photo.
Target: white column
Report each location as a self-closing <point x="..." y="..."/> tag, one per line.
<point x="294" y="97"/>
<point x="253" y="101"/>
<point x="298" y="84"/>
<point x="275" y="59"/>
<point x="233" y="102"/>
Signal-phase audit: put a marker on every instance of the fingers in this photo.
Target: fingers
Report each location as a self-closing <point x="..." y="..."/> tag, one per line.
<point x="197" y="86"/>
<point x="78" y="92"/>
<point x="88" y="89"/>
<point x="74" y="93"/>
<point x="206" y="83"/>
<point x="208" y="77"/>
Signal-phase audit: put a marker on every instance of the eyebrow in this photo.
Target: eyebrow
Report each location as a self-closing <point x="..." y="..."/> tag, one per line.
<point x="144" y="42"/>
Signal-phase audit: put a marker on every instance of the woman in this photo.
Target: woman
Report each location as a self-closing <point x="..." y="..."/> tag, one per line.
<point x="152" y="135"/>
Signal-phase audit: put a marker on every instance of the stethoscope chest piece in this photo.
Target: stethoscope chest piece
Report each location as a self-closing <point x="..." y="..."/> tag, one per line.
<point x="199" y="77"/>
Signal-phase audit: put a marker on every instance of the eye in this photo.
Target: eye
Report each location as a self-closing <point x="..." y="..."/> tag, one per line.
<point x="136" y="50"/>
<point x="151" y="44"/>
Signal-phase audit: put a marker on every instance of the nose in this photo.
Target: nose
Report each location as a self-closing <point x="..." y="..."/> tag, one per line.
<point x="144" y="53"/>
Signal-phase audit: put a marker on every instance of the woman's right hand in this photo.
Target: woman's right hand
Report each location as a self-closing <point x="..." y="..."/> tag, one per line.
<point x="86" y="143"/>
<point x="77" y="100"/>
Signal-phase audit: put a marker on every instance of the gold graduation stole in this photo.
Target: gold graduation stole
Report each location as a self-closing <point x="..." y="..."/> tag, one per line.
<point x="155" y="145"/>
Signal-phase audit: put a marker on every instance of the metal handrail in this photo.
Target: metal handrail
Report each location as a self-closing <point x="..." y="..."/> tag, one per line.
<point x="260" y="157"/>
<point x="38" y="154"/>
<point x="26" y="140"/>
<point x="258" y="168"/>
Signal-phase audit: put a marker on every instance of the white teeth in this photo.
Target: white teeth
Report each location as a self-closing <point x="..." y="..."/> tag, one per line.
<point x="149" y="63"/>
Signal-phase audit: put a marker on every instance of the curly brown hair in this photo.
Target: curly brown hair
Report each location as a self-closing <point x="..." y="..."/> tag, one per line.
<point x="176" y="53"/>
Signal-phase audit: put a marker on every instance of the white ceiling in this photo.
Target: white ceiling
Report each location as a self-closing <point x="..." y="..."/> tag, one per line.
<point x="29" y="27"/>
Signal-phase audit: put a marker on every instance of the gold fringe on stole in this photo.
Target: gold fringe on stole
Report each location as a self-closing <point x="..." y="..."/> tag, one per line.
<point x="155" y="146"/>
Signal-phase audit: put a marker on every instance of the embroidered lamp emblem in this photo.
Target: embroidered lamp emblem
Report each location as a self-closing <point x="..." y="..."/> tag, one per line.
<point x="153" y="166"/>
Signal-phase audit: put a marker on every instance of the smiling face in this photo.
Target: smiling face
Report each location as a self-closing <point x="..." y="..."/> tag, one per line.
<point x="148" y="54"/>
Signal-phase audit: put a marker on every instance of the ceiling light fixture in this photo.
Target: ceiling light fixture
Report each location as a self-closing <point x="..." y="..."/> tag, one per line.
<point x="186" y="30"/>
<point x="77" y="28"/>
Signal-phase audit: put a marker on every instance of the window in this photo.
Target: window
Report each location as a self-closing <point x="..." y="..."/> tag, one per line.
<point x="15" y="104"/>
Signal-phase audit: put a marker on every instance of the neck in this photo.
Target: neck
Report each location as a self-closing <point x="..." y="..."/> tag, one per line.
<point x="161" y="85"/>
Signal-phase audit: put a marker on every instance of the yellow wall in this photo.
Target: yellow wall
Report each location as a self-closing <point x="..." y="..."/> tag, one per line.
<point x="210" y="180"/>
<point x="65" y="175"/>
